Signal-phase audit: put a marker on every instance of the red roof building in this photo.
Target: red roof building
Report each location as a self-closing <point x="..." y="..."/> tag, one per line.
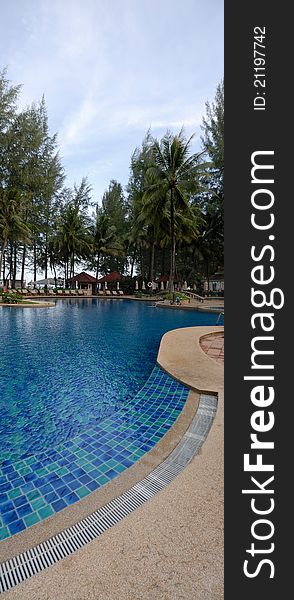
<point x="84" y="281"/>
<point x="83" y="278"/>
<point x="110" y="278"/>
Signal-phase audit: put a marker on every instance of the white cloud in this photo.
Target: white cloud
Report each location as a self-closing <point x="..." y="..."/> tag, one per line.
<point x="111" y="69"/>
<point x="80" y="122"/>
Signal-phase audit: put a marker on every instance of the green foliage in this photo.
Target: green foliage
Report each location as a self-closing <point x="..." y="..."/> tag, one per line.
<point x="114" y="206"/>
<point x="11" y="298"/>
<point x="168" y="221"/>
<point x="173" y="176"/>
<point x="72" y="236"/>
<point x="213" y="127"/>
<point x="115" y="209"/>
<point x="178" y="295"/>
<point x="104" y="242"/>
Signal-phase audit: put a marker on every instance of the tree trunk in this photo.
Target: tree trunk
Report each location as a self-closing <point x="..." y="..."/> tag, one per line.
<point x="3" y="266"/>
<point x="207" y="276"/>
<point x="35" y="261"/>
<point x="14" y="264"/>
<point x="163" y="262"/>
<point x="11" y="264"/>
<point x="23" y="265"/>
<point x="142" y="264"/>
<point x="152" y="261"/>
<point x="46" y="257"/>
<point x="55" y="275"/>
<point x="2" y="259"/>
<point x="133" y="261"/>
<point x="97" y="265"/>
<point x="173" y="245"/>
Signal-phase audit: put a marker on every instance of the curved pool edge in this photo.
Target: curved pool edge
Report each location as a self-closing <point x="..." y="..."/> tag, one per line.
<point x="70" y="515"/>
<point x="181" y="357"/>
<point x="195" y="370"/>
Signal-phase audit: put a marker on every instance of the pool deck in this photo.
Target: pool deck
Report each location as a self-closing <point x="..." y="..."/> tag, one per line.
<point x="29" y="304"/>
<point x="172" y="546"/>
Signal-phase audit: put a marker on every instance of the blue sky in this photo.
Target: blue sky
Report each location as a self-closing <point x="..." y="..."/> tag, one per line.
<point x="111" y="69"/>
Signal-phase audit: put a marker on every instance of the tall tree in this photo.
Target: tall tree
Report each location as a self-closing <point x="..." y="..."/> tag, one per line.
<point x="213" y="204"/>
<point x="104" y="241"/>
<point x="72" y="237"/>
<point x="33" y="167"/>
<point x="8" y="106"/>
<point x="114" y="207"/>
<point x="12" y="225"/>
<point x="137" y="238"/>
<point x="82" y="195"/>
<point x="173" y="175"/>
<point x="47" y="194"/>
<point x="213" y="127"/>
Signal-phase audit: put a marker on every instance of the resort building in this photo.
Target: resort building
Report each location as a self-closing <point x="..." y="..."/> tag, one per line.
<point x="163" y="282"/>
<point x="84" y="281"/>
<point x="110" y="281"/>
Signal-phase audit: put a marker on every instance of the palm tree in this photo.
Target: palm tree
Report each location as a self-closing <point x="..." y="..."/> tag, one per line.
<point x="104" y="240"/>
<point x="173" y="175"/>
<point x="210" y="242"/>
<point x="12" y="225"/>
<point x="136" y="242"/>
<point x="72" y="237"/>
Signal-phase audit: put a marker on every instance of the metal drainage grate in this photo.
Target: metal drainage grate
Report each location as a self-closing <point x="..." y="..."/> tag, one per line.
<point x="26" y="564"/>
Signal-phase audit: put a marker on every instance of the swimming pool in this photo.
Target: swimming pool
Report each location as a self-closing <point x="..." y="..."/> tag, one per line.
<point x="64" y="369"/>
<point x="76" y="406"/>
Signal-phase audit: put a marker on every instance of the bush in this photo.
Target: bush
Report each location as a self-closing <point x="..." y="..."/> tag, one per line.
<point x="11" y="298"/>
<point x="179" y="295"/>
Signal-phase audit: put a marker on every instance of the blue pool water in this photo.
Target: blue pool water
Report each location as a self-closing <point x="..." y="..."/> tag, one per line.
<point x="37" y="487"/>
<point x="65" y="369"/>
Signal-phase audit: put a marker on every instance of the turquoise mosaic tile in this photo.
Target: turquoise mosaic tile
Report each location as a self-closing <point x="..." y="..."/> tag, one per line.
<point x="41" y="485"/>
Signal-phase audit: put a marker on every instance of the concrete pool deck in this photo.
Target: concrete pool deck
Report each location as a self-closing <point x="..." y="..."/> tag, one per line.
<point x="172" y="546"/>
<point x="28" y="304"/>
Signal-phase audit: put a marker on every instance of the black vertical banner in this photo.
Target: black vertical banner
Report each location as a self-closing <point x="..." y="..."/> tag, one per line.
<point x="259" y="236"/>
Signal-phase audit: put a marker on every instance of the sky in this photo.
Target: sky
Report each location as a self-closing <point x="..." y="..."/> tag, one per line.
<point x="112" y="69"/>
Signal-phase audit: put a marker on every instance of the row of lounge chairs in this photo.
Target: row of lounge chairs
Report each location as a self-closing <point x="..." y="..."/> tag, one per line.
<point x="110" y="293"/>
<point x="67" y="292"/>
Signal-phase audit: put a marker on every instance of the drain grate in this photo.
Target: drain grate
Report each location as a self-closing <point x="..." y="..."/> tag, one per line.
<point x="44" y="555"/>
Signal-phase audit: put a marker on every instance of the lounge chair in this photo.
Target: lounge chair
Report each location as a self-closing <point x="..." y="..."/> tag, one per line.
<point x="120" y="292"/>
<point x="24" y="292"/>
<point x="108" y="292"/>
<point x="34" y="292"/>
<point x="101" y="293"/>
<point x="80" y="292"/>
<point x="59" y="292"/>
<point x="114" y="293"/>
<point x="41" y="291"/>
